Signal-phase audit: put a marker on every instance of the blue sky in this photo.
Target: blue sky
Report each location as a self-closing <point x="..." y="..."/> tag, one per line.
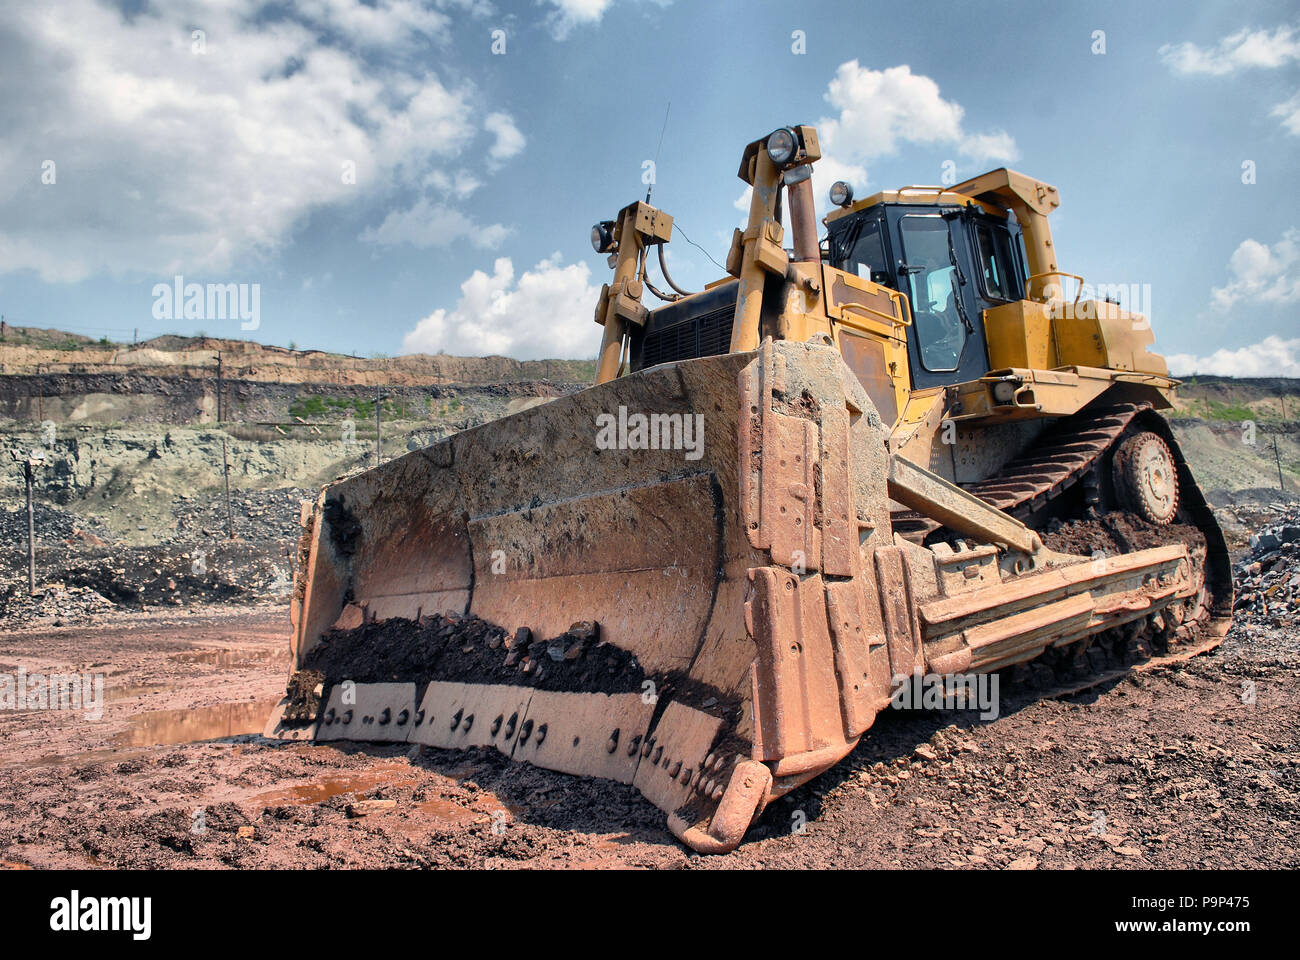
<point x="391" y="183"/>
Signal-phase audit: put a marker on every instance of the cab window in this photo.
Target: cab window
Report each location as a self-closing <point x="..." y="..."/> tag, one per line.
<point x="933" y="287"/>
<point x="997" y="269"/>
<point x="863" y="250"/>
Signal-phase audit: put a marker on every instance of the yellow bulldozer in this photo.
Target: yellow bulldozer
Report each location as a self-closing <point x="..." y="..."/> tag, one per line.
<point x="894" y="450"/>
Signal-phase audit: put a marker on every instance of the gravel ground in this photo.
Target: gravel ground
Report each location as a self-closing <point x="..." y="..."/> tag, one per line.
<point x="1192" y="765"/>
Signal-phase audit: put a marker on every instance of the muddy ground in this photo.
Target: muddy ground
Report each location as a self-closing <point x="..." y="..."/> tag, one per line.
<point x="1171" y="767"/>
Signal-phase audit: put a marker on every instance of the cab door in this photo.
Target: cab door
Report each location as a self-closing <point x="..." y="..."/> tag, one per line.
<point x="934" y="267"/>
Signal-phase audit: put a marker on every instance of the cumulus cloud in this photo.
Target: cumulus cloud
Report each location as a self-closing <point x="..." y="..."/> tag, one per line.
<point x="567" y="14"/>
<point x="1271" y="357"/>
<point x="1261" y="273"/>
<point x="547" y="312"/>
<point x="177" y="151"/>
<point x="881" y="110"/>
<point x="1242" y="50"/>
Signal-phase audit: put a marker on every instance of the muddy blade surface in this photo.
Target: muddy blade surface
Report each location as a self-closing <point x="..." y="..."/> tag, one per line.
<point x="418" y="576"/>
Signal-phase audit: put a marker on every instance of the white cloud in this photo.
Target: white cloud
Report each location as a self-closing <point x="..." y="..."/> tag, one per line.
<point x="460" y="184"/>
<point x="1271" y="357"/>
<point x="878" y="108"/>
<point x="881" y="110"/>
<point x="546" y="313"/>
<point x="431" y="224"/>
<point x="509" y="141"/>
<point x="171" y="160"/>
<point x="1262" y="274"/>
<point x="387" y="23"/>
<point x="1242" y="50"/>
<point x="1289" y="111"/>
<point x="568" y="14"/>
<point x="986" y="149"/>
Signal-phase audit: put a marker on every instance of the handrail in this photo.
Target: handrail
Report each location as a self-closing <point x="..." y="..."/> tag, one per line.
<point x="1055" y="273"/>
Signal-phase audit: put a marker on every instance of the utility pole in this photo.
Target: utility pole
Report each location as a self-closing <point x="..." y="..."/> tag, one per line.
<point x="230" y="522"/>
<point x="30" y="462"/>
<point x="1278" y="459"/>
<point x="219" y="419"/>
<point x="378" y="401"/>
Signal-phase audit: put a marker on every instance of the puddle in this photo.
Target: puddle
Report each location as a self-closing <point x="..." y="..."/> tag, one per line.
<point x="128" y="691"/>
<point x="323" y="788"/>
<point x="200" y="723"/>
<point x="419" y="816"/>
<point x="230" y="657"/>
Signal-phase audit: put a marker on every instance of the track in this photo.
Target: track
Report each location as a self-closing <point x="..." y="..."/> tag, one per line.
<point x="1065" y="454"/>
<point x="1073" y="453"/>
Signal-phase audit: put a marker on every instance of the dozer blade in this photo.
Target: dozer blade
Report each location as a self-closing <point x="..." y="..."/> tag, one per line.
<point x="683" y="579"/>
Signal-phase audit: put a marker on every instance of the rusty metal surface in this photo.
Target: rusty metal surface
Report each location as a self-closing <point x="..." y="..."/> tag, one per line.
<point x="956" y="509"/>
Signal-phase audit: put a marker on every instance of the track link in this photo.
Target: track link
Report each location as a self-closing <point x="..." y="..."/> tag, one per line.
<point x="1064" y="455"/>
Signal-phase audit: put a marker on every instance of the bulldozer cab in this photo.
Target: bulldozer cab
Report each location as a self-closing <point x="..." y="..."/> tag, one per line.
<point x="952" y="262"/>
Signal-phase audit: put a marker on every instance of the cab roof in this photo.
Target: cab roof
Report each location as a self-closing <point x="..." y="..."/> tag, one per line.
<point x="918" y="195"/>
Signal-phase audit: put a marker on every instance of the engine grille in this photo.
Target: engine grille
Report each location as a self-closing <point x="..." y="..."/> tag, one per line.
<point x="707" y="335"/>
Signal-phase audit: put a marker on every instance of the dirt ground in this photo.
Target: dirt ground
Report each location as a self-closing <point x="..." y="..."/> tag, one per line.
<point x="1166" y="768"/>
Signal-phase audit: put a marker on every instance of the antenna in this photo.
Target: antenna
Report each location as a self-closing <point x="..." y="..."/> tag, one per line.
<point x="655" y="175"/>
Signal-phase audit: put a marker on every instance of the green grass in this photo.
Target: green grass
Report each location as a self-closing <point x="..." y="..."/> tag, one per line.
<point x="312" y="405"/>
<point x="315" y="405"/>
<point x="1223" y="412"/>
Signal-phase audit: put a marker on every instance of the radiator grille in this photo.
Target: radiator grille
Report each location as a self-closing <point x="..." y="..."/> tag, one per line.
<point x="707" y="335"/>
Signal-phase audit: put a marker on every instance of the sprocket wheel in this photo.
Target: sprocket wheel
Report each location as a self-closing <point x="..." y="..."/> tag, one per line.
<point x="1146" y="477"/>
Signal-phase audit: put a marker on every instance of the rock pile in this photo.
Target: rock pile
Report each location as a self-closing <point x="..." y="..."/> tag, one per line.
<point x="54" y="603"/>
<point x="53" y="525"/>
<point x="258" y="515"/>
<point x="1268" y="577"/>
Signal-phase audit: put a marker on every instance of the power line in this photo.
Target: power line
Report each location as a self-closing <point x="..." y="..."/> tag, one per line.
<point x="678" y="225"/>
